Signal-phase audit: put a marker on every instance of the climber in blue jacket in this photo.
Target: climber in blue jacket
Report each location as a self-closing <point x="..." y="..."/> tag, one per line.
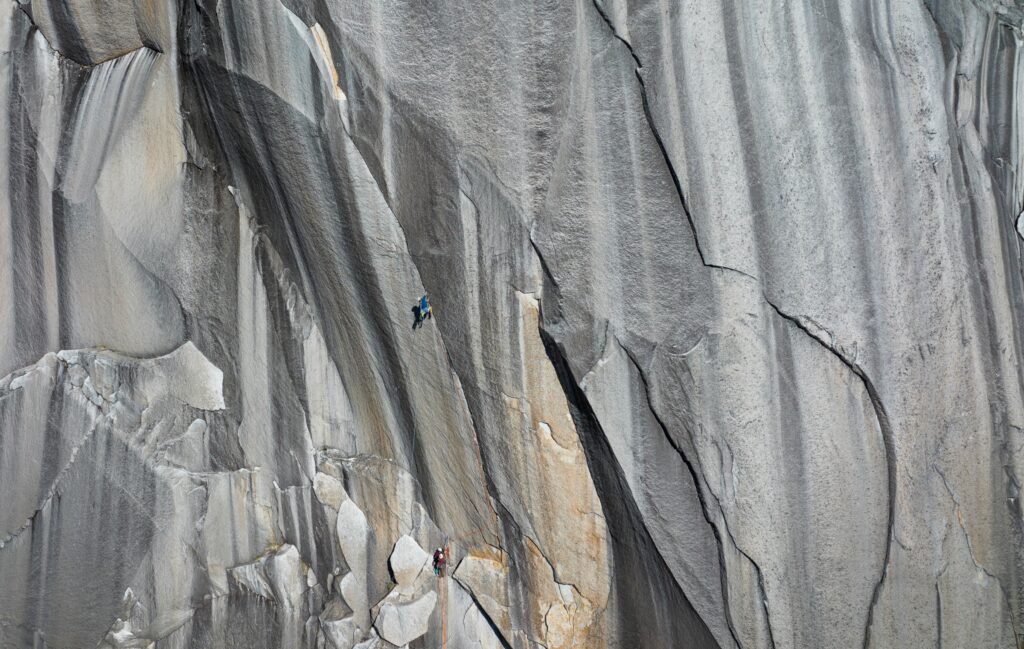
<point x="422" y="311"/>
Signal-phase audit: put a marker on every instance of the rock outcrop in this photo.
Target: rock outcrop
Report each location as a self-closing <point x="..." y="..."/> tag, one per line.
<point x="726" y="348"/>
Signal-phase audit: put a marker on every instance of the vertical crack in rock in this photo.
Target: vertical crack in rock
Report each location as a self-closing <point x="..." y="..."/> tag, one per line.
<point x="888" y="441"/>
<point x="649" y="118"/>
<point x="632" y="540"/>
<point x="704" y="507"/>
<point x="491" y="492"/>
<point x="611" y="485"/>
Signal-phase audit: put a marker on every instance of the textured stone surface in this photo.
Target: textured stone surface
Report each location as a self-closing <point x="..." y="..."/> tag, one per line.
<point x="408" y="561"/>
<point x="400" y="622"/>
<point x="726" y="348"/>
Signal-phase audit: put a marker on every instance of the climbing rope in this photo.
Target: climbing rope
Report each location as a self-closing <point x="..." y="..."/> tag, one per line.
<point x="444" y="608"/>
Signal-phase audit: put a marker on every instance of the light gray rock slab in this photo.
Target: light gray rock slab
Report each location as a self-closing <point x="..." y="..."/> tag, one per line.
<point x="408" y="562"/>
<point x="400" y="622"/>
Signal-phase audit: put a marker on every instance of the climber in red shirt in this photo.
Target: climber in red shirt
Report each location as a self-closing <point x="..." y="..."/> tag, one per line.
<point x="439" y="560"/>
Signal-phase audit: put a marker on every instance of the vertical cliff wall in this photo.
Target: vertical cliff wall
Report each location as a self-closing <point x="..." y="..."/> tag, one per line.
<point x="726" y="349"/>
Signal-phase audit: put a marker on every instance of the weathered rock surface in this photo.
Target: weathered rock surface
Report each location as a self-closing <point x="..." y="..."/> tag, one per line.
<point x="408" y="562"/>
<point x="726" y="350"/>
<point x="400" y="622"/>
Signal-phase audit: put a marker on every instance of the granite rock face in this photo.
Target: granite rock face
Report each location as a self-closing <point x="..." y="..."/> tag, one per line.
<point x="726" y="348"/>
